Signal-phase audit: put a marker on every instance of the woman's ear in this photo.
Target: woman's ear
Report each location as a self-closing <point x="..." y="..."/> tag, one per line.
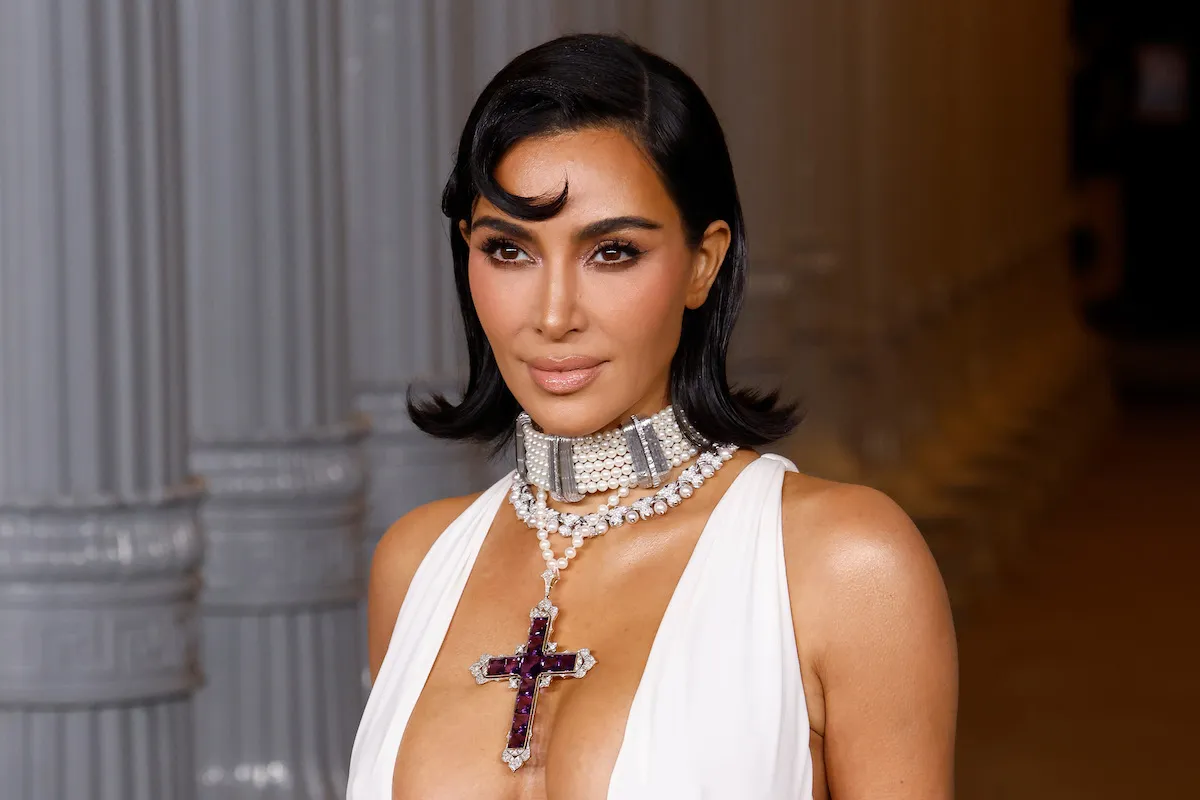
<point x="464" y="230"/>
<point x="707" y="262"/>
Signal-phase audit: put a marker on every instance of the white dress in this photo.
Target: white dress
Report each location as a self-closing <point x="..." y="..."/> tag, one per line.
<point x="732" y="725"/>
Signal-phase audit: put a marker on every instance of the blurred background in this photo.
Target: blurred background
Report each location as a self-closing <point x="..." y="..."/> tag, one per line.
<point x="974" y="258"/>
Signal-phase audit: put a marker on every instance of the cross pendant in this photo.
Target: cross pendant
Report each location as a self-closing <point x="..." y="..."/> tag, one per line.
<point x="529" y="671"/>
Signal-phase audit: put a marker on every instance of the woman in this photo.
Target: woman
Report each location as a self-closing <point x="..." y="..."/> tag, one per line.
<point x="735" y="629"/>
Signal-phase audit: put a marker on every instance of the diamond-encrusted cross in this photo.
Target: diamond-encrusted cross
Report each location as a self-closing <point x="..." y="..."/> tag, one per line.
<point x="529" y="671"/>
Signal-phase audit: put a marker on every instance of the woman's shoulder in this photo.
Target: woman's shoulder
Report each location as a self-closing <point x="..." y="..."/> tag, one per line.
<point x="846" y="523"/>
<point x="397" y="556"/>
<point x="860" y="575"/>
<point x="874" y="634"/>
<point x="414" y="533"/>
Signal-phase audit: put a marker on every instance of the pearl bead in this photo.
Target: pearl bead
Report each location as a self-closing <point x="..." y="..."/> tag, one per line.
<point x="543" y="535"/>
<point x="601" y="528"/>
<point x="577" y="541"/>
<point x="546" y="554"/>
<point x="552" y="525"/>
<point x="660" y="507"/>
<point x="544" y="545"/>
<point x="562" y="563"/>
<point x="685" y="491"/>
<point x="569" y="552"/>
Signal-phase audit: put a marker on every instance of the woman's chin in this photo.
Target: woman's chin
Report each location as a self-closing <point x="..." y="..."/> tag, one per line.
<point x="556" y="419"/>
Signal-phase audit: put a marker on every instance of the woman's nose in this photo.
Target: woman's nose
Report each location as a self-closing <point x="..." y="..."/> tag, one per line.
<point x="558" y="308"/>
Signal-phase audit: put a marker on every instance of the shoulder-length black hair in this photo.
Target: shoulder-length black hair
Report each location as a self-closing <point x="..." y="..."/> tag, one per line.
<point x="596" y="81"/>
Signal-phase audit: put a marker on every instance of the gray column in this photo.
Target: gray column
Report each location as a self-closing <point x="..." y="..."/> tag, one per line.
<point x="411" y="73"/>
<point x="274" y="430"/>
<point x="99" y="544"/>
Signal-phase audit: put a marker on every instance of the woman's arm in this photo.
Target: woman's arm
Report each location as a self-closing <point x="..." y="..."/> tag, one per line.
<point x="875" y="627"/>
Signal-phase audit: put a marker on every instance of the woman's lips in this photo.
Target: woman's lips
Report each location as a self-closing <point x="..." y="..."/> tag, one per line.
<point x="564" y="375"/>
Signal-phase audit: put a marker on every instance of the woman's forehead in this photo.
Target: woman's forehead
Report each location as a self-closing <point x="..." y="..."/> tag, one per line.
<point x="605" y="172"/>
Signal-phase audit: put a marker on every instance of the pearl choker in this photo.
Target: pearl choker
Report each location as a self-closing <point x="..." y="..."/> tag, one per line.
<point x="638" y="454"/>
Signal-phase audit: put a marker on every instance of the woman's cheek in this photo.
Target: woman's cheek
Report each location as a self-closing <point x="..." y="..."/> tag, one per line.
<point x="643" y="313"/>
<point x="495" y="309"/>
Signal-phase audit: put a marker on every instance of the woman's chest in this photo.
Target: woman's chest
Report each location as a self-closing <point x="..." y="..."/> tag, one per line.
<point x="459" y="729"/>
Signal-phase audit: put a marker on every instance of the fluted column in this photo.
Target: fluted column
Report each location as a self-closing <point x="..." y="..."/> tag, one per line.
<point x="406" y="79"/>
<point x="99" y="543"/>
<point x="274" y="430"/>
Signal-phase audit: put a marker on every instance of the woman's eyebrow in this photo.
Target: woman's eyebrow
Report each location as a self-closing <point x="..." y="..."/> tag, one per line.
<point x="502" y="226"/>
<point x="603" y="226"/>
<point x="589" y="231"/>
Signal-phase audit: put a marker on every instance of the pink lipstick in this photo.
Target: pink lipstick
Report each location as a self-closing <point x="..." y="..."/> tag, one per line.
<point x="564" y="375"/>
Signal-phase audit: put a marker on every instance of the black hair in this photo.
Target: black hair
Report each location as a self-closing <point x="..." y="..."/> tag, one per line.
<point x="604" y="81"/>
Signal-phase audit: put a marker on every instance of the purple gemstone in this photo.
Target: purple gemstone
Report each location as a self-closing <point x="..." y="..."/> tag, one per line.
<point x="531" y="665"/>
<point x="517" y="737"/>
<point x="537" y="632"/>
<point x="560" y="662"/>
<point x="527" y="688"/>
<point x="524" y="705"/>
<point x="501" y="666"/>
<point x="519" y="731"/>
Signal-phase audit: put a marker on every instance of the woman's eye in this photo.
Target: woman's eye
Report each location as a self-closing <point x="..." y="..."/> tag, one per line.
<point x="505" y="252"/>
<point x="615" y="254"/>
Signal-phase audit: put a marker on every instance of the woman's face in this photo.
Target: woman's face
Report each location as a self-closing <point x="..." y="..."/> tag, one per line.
<point x="583" y="310"/>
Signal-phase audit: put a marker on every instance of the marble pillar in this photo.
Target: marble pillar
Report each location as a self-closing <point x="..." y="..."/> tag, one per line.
<point x="274" y="430"/>
<point x="99" y="537"/>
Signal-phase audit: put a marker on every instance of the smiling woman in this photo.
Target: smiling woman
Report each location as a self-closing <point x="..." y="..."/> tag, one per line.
<point x="630" y="177"/>
<point x="593" y="296"/>
<point x="752" y="632"/>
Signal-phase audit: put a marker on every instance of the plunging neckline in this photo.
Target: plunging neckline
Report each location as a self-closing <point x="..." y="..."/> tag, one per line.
<point x="668" y="614"/>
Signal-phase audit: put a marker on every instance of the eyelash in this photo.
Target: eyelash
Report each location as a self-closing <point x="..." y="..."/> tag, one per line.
<point x="626" y="248"/>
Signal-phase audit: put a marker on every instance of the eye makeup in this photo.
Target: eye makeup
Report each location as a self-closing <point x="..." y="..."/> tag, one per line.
<point x="611" y="253"/>
<point x="498" y="244"/>
<point x="629" y="253"/>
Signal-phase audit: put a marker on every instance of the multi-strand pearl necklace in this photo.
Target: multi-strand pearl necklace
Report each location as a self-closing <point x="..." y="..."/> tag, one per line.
<point x="639" y="453"/>
<point x="535" y="513"/>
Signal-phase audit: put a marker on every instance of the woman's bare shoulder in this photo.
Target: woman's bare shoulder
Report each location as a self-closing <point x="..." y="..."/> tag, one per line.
<point x="408" y="539"/>
<point x="874" y="627"/>
<point x="397" y="556"/>
<point x="849" y="523"/>
<point x="855" y="547"/>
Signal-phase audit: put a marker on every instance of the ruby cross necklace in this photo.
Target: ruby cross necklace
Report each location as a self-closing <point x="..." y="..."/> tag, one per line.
<point x="529" y="670"/>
